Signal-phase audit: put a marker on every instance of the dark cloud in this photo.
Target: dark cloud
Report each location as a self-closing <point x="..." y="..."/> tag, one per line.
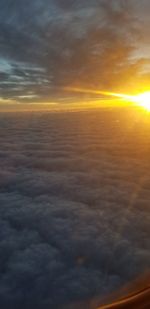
<point x="74" y="215"/>
<point x="73" y="42"/>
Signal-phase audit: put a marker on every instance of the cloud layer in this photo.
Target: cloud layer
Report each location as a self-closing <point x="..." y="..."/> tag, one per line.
<point x="74" y="206"/>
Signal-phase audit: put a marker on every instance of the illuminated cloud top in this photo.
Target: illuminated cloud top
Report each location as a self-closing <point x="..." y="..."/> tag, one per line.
<point x="46" y="45"/>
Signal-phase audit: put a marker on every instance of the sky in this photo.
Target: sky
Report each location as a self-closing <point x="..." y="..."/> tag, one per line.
<point x="48" y="45"/>
<point x="74" y="187"/>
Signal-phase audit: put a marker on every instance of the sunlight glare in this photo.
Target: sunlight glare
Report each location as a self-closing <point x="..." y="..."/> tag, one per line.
<point x="143" y="100"/>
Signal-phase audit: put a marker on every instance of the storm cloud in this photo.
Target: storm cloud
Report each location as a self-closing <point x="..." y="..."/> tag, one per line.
<point x="74" y="206"/>
<point x="46" y="45"/>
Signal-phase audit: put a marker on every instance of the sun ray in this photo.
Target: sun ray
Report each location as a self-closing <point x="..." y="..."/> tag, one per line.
<point x="142" y="99"/>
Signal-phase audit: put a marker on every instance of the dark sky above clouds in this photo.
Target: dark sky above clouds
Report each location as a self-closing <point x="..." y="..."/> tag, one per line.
<point x="46" y="45"/>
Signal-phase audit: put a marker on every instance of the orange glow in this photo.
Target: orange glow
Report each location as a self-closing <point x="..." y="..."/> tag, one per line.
<point x="142" y="99"/>
<point x="99" y="92"/>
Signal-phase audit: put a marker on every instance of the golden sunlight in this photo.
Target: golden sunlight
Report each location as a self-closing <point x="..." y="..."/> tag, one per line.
<point x="143" y="99"/>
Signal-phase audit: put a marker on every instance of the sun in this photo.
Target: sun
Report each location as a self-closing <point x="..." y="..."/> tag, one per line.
<point x="143" y="100"/>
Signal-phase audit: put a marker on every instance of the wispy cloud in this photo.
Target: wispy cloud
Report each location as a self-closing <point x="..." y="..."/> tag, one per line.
<point x="69" y="42"/>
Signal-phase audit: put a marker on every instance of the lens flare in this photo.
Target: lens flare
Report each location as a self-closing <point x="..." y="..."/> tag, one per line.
<point x="142" y="99"/>
<point x="99" y="92"/>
